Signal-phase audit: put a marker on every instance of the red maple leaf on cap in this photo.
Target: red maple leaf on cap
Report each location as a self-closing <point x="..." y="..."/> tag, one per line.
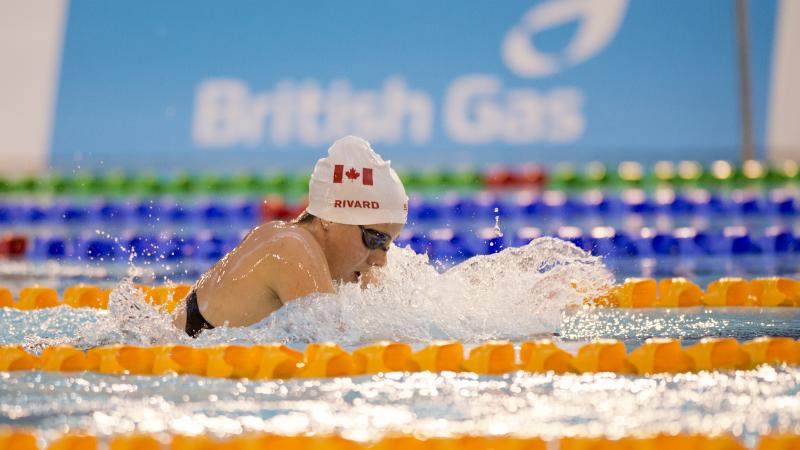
<point x="352" y="174"/>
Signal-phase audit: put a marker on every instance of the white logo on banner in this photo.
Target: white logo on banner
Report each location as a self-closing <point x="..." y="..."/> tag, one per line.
<point x="598" y="22"/>
<point x="228" y="113"/>
<point x="477" y="108"/>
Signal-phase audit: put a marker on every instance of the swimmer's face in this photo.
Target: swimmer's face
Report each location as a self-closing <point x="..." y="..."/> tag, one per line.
<point x="349" y="257"/>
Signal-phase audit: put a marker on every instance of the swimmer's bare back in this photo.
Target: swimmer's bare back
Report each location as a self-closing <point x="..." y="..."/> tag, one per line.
<point x="275" y="263"/>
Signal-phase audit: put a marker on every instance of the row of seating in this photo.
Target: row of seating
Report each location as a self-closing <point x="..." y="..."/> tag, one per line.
<point x="529" y="174"/>
<point x="120" y="183"/>
<point x="319" y="360"/>
<point x="445" y="243"/>
<point x="455" y="244"/>
<point x="146" y="211"/>
<point x="204" y="245"/>
<point x="455" y="206"/>
<point x="26" y="440"/>
<point x="450" y="206"/>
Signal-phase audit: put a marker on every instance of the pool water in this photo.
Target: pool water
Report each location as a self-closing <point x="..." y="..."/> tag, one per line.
<point x="747" y="403"/>
<point x="631" y="326"/>
<point x="517" y="294"/>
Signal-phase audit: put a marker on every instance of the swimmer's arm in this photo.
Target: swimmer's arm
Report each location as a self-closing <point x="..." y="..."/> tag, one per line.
<point x="299" y="271"/>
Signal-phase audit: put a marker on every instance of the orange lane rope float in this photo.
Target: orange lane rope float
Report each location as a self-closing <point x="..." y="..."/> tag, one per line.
<point x="12" y="439"/>
<point x="319" y="360"/>
<point x="632" y="293"/>
<point x="88" y="296"/>
<point x="680" y="292"/>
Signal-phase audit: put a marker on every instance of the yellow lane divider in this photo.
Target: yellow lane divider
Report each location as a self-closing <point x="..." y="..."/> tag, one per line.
<point x="632" y="293"/>
<point x="276" y="361"/>
<point x="88" y="296"/>
<point x="26" y="440"/>
<point x="680" y="292"/>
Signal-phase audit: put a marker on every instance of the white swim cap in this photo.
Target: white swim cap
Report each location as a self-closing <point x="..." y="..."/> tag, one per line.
<point x="355" y="186"/>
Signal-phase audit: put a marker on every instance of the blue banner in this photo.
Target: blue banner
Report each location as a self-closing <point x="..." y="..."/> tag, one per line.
<point x="250" y="84"/>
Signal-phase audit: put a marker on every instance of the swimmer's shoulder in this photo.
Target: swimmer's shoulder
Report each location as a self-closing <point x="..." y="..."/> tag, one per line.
<point x="292" y="243"/>
<point x="286" y="235"/>
<point x="299" y="266"/>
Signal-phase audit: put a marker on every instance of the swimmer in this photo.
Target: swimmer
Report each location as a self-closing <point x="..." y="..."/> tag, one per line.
<point x="357" y="207"/>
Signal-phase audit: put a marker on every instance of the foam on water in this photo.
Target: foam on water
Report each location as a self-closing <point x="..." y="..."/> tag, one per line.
<point x="514" y="294"/>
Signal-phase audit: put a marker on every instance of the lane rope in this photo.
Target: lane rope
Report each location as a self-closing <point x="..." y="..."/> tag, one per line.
<point x="631" y="293"/>
<point x="20" y="439"/>
<point x="322" y="360"/>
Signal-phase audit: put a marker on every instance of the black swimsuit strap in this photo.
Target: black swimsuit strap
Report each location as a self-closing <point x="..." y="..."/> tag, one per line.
<point x="195" y="322"/>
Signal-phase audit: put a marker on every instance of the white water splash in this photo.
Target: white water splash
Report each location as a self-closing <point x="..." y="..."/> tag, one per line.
<point x="514" y="294"/>
<point x="128" y="320"/>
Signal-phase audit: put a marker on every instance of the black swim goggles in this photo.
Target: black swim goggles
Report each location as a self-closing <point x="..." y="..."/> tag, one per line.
<point x="374" y="239"/>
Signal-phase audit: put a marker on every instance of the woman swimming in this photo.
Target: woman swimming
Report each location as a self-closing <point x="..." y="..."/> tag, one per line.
<point x="357" y="207"/>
